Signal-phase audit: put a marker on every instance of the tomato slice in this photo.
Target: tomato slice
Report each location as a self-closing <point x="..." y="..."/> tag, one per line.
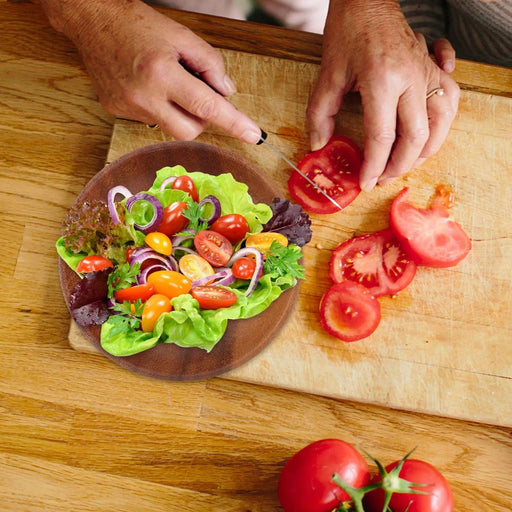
<point x="215" y="248"/>
<point x="213" y="297"/>
<point x="173" y="220"/>
<point x="93" y="263"/>
<point x="232" y="225"/>
<point x="429" y="236"/>
<point x="349" y="311"/>
<point x="140" y="292"/>
<point x="195" y="267"/>
<point x="263" y="241"/>
<point x="377" y="261"/>
<point x="335" y="169"/>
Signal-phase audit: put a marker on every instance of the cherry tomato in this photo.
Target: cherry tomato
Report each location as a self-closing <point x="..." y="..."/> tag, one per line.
<point x="243" y="268"/>
<point x="377" y="261"/>
<point x="186" y="184"/>
<point x="263" y="241"/>
<point x="213" y="297"/>
<point x="159" y="242"/>
<point x="140" y="292"/>
<point x="349" y="311"/>
<point x="429" y="236"/>
<point x="93" y="263"/>
<point x="195" y="267"/>
<point x="169" y="283"/>
<point x="439" y="497"/>
<point x="233" y="226"/>
<point x="335" y="169"/>
<point x="305" y="484"/>
<point x="173" y="220"/>
<point x="215" y="248"/>
<point x="155" y="306"/>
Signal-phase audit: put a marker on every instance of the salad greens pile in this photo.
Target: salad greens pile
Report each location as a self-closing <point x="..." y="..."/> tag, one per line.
<point x="186" y="325"/>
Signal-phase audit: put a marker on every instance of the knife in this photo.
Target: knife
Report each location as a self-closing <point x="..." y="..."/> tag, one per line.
<point x="263" y="140"/>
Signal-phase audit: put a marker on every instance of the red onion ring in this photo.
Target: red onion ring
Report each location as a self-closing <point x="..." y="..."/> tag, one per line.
<point x="258" y="271"/>
<point x="217" y="209"/>
<point x="158" y="211"/>
<point x="224" y="277"/>
<point x="142" y="278"/>
<point x="111" y="196"/>
<point x="168" y="181"/>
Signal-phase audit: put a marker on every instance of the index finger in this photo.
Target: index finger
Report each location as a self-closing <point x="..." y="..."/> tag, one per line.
<point x="201" y="101"/>
<point x="379" y="120"/>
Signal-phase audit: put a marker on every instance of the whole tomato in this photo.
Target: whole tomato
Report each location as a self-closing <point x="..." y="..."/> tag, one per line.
<point x="436" y="494"/>
<point x="305" y="484"/>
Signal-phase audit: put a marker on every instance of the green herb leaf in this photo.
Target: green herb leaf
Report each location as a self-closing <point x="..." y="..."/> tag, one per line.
<point x="193" y="213"/>
<point x="283" y="260"/>
<point x="123" y="276"/>
<point x="128" y="317"/>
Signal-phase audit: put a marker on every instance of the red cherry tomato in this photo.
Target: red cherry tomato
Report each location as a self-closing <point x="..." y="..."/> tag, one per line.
<point x="154" y="307"/>
<point x="243" y="268"/>
<point x="169" y="283"/>
<point x="215" y="248"/>
<point x="429" y="236"/>
<point x="213" y="297"/>
<point x="335" y="169"/>
<point x="349" y="311"/>
<point x="305" y="484"/>
<point x="173" y="220"/>
<point x="93" y="263"/>
<point x="439" y="497"/>
<point x="233" y="226"/>
<point x="140" y="292"/>
<point x="377" y="261"/>
<point x="186" y="184"/>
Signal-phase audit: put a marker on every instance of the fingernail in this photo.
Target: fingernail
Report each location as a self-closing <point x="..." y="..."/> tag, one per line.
<point x="251" y="136"/>
<point x="449" y="66"/>
<point x="316" y="141"/>
<point x="230" y="86"/>
<point x="369" y="185"/>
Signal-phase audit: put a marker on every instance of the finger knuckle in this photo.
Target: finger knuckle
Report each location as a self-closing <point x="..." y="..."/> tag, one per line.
<point x="205" y="108"/>
<point x="417" y="136"/>
<point x="384" y="137"/>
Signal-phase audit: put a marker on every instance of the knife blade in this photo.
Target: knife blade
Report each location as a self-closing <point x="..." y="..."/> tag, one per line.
<point x="263" y="140"/>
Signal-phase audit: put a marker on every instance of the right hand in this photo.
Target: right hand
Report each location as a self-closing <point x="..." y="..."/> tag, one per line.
<point x="134" y="56"/>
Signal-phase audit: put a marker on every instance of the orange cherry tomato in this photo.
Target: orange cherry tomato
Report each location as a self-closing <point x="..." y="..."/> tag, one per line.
<point x="263" y="241"/>
<point x="159" y="242"/>
<point x="195" y="267"/>
<point x="169" y="283"/>
<point x="154" y="307"/>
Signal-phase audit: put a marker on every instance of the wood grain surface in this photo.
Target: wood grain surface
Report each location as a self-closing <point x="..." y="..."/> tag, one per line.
<point x="435" y="349"/>
<point x="79" y="433"/>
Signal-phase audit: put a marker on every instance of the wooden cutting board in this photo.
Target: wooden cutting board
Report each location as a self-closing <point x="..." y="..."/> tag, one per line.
<point x="444" y="345"/>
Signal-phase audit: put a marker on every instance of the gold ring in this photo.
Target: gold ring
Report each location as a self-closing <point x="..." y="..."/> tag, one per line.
<point x="155" y="126"/>
<point x="439" y="91"/>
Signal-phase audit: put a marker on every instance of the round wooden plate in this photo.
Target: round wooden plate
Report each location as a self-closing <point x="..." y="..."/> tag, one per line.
<point x="243" y="339"/>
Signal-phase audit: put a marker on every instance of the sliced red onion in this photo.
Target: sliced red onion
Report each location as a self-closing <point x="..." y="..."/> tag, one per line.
<point x="142" y="278"/>
<point x="111" y="196"/>
<point x="217" y="209"/>
<point x="177" y="240"/>
<point x="168" y="181"/>
<point x="158" y="211"/>
<point x="225" y="277"/>
<point x="258" y="271"/>
<point x="188" y="250"/>
<point x="151" y="255"/>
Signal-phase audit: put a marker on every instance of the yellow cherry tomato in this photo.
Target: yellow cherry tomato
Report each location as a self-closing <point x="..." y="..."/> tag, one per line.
<point x="155" y="306"/>
<point x="169" y="283"/>
<point x="263" y="241"/>
<point x="159" y="242"/>
<point x="195" y="267"/>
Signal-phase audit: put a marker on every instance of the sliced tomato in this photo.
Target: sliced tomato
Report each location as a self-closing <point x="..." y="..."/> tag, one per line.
<point x="213" y="297"/>
<point x="349" y="311"/>
<point x="377" y="261"/>
<point x="195" y="267"/>
<point x="215" y="248"/>
<point x="140" y="292"/>
<point x="186" y="184"/>
<point x="232" y="225"/>
<point x="263" y="241"/>
<point x="429" y="235"/>
<point x="335" y="169"/>
<point x="93" y="263"/>
<point x="173" y="220"/>
<point x="243" y="268"/>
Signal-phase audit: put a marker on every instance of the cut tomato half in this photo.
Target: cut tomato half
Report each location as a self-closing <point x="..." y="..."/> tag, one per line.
<point x="213" y="297"/>
<point x="335" y="169"/>
<point x="429" y="235"/>
<point x="377" y="261"/>
<point x="349" y="311"/>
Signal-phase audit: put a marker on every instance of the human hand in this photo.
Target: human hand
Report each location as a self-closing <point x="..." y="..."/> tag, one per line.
<point x="369" y="48"/>
<point x="136" y="57"/>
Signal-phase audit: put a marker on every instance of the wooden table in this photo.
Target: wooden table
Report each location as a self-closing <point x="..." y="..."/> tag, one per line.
<point x="79" y="433"/>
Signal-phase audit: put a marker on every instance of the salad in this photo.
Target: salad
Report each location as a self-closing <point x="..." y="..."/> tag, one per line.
<point x="174" y="263"/>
